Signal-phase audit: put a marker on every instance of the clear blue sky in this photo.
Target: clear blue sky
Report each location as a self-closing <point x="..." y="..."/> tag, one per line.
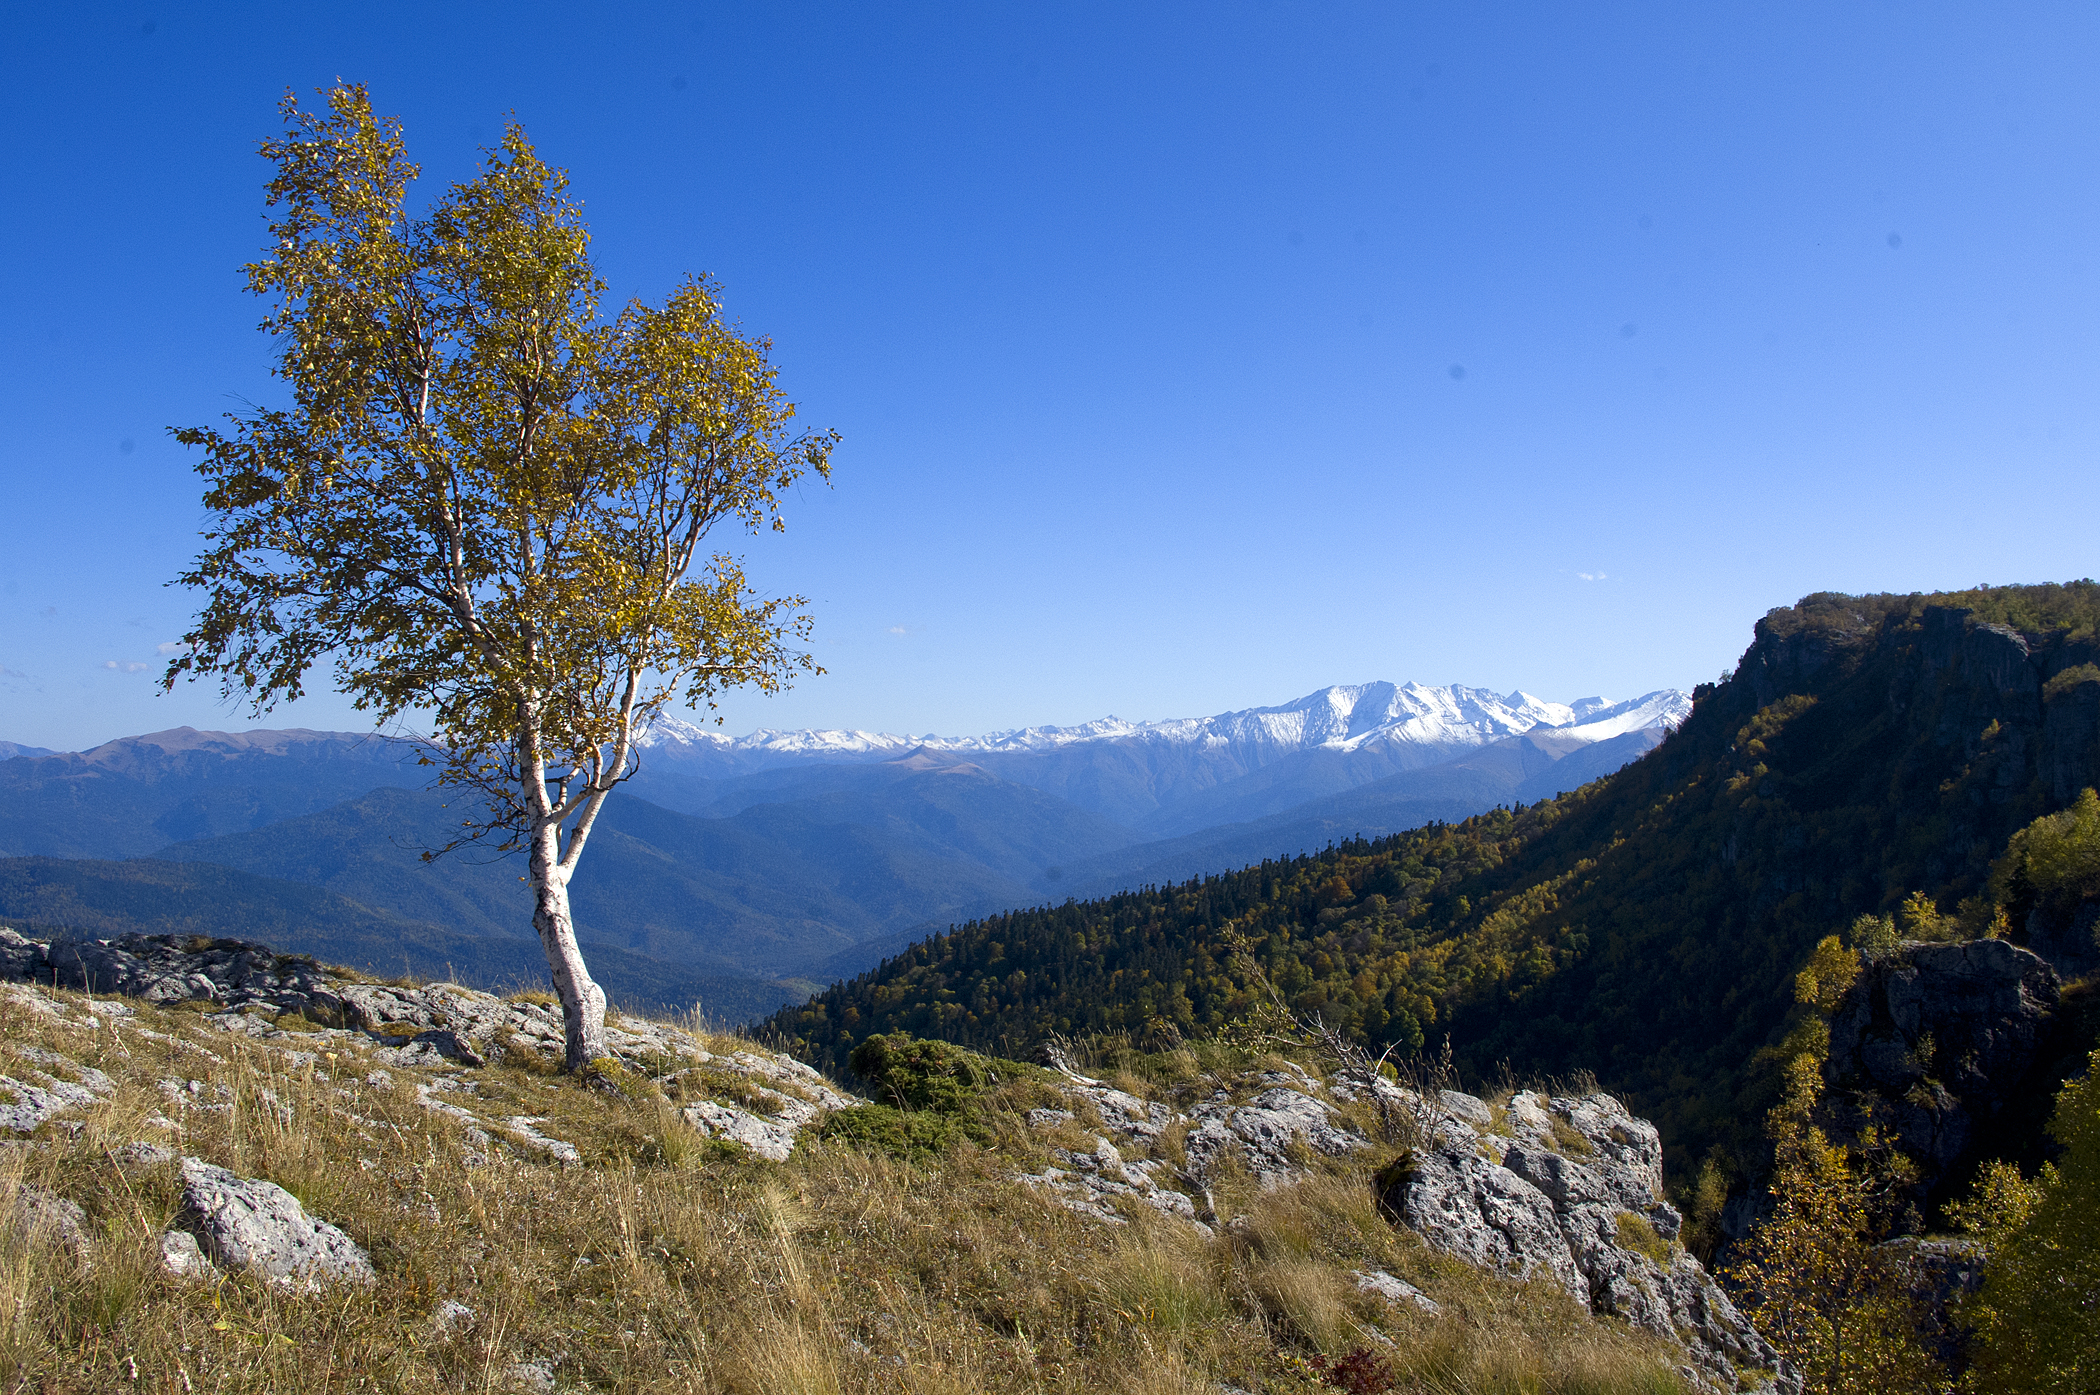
<point x="1188" y="357"/>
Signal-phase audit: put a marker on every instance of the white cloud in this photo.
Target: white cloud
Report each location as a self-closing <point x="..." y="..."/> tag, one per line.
<point x="171" y="647"/>
<point x="898" y="630"/>
<point x="127" y="666"/>
<point x="1591" y="576"/>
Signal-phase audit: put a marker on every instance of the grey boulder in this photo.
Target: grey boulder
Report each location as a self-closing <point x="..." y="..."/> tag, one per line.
<point x="247" y="1223"/>
<point x="1571" y="1187"/>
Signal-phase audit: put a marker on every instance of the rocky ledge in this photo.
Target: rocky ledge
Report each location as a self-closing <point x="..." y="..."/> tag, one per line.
<point x="1568" y="1189"/>
<point x="1571" y="1188"/>
<point x="753" y="1098"/>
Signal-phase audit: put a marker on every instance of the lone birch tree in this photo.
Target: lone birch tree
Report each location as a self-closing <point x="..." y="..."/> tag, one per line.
<point x="486" y="502"/>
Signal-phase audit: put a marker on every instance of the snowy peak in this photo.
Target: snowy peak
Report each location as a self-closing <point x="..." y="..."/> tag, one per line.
<point x="1343" y="717"/>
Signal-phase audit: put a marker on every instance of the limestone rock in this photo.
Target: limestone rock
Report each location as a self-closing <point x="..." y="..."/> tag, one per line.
<point x="1090" y="1183"/>
<point x="1262" y="1133"/>
<point x="1398" y="1292"/>
<point x="1984" y="1006"/>
<point x="772" y="1139"/>
<point x="1466" y="1204"/>
<point x="181" y="1256"/>
<point x="54" y="1220"/>
<point x="247" y="1223"/>
<point x="1573" y="1190"/>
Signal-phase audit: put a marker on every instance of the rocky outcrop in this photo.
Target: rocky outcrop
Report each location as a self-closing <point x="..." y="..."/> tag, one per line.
<point x="1937" y="1037"/>
<point x="1570" y="1189"/>
<point x="765" y="1100"/>
<point x="1261" y="1133"/>
<point x="247" y="1223"/>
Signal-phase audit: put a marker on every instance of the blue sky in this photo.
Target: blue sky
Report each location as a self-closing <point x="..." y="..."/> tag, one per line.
<point x="1187" y="357"/>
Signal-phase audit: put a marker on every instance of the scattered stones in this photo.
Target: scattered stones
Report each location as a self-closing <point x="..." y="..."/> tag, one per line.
<point x="452" y="1317"/>
<point x="532" y="1377"/>
<point x="134" y="1158"/>
<point x="247" y="1223"/>
<point x="439" y="1026"/>
<point x="1089" y="1183"/>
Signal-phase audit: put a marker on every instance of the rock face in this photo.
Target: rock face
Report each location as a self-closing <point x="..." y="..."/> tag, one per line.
<point x="1262" y="1132"/>
<point x="1942" y="1034"/>
<point x="1571" y="1188"/>
<point x="1567" y="1188"/>
<point x="245" y="1223"/>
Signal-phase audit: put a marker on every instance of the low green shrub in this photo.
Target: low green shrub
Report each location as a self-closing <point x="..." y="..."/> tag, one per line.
<point x="909" y="1135"/>
<point x="913" y="1074"/>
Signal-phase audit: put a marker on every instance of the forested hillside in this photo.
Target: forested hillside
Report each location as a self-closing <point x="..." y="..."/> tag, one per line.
<point x="1646" y="927"/>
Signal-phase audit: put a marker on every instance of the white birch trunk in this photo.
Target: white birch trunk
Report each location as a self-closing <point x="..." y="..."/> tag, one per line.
<point x="582" y="1000"/>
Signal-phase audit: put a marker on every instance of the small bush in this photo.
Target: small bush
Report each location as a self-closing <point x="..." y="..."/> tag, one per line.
<point x="909" y="1135"/>
<point x="915" y="1074"/>
<point x="1361" y="1372"/>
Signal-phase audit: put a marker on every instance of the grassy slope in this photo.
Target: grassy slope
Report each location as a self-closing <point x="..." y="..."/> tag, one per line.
<point x="665" y="1264"/>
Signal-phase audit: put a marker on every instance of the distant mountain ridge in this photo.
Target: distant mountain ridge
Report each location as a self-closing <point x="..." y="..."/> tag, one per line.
<point x="1170" y="778"/>
<point x="773" y="863"/>
<point x="1344" y="717"/>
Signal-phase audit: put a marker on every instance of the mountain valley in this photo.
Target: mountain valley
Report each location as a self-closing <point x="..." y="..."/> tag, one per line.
<point x="747" y="873"/>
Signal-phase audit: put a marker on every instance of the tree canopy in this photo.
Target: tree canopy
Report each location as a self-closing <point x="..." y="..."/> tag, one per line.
<point x="486" y="504"/>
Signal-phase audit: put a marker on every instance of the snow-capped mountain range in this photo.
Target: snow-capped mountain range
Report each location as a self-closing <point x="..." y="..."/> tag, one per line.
<point x="1436" y="722"/>
<point x="782" y="858"/>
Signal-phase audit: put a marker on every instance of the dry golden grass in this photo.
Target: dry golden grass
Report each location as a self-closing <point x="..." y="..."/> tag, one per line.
<point x="668" y="1262"/>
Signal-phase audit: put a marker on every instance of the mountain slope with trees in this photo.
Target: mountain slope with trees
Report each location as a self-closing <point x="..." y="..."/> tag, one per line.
<point x="1646" y="927"/>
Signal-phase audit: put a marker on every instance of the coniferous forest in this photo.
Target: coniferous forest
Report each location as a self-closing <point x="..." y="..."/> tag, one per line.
<point x="1869" y="755"/>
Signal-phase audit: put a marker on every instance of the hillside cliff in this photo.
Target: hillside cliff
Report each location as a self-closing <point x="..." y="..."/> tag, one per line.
<point x="1646" y="927"/>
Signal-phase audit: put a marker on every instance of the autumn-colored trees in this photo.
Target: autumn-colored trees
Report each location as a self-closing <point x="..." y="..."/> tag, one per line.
<point x="1816" y="1278"/>
<point x="484" y="502"/>
<point x="2036" y="1321"/>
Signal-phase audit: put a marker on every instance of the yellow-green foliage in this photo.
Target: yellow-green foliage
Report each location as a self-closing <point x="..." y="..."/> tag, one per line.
<point x="1815" y="1278"/>
<point x="2037" y="1317"/>
<point x="1828" y="976"/>
<point x="2070" y="678"/>
<point x="2055" y="858"/>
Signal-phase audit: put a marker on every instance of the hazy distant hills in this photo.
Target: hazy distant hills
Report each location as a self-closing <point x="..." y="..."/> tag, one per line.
<point x="126" y="798"/>
<point x="155" y="897"/>
<point x="762" y="866"/>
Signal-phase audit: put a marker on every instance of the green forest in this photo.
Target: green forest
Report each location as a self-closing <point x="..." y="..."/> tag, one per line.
<point x="1868" y="755"/>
